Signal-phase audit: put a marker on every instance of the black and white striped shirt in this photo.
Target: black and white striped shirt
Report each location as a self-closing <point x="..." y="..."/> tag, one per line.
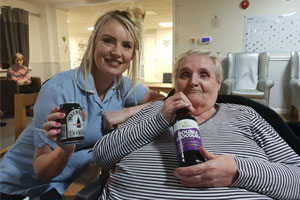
<point x="144" y="154"/>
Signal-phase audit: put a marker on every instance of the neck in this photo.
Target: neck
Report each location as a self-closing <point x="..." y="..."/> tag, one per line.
<point x="102" y="82"/>
<point x="202" y="115"/>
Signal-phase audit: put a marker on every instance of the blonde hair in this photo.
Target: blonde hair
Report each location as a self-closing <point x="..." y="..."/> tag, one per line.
<point x="132" y="19"/>
<point x="18" y="55"/>
<point x="214" y="57"/>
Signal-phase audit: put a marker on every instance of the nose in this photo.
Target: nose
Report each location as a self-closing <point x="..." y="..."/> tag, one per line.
<point x="117" y="51"/>
<point x="194" y="81"/>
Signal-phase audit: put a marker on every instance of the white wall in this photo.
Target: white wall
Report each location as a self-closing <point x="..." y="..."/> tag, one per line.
<point x="164" y="52"/>
<point x="47" y="56"/>
<point x="192" y="18"/>
<point x="63" y="46"/>
<point x="78" y="44"/>
<point x="157" y="54"/>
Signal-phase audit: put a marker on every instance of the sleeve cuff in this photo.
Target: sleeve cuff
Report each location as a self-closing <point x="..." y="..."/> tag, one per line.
<point x="40" y="140"/>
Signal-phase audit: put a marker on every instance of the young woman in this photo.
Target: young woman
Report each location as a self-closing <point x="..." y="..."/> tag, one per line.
<point x="37" y="166"/>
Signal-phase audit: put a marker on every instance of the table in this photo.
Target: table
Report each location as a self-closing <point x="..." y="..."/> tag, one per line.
<point x="160" y="87"/>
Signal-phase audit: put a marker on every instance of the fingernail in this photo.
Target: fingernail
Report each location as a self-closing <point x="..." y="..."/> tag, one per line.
<point x="57" y="130"/>
<point x="62" y="114"/>
<point x="57" y="123"/>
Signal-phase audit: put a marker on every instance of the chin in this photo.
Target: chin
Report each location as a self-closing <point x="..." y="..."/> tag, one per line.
<point x="195" y="97"/>
<point x="116" y="71"/>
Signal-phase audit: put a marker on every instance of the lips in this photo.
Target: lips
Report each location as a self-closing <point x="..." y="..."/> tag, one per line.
<point x="194" y="91"/>
<point x="113" y="62"/>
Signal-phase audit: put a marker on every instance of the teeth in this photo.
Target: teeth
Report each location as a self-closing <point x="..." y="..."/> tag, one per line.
<point x="114" y="61"/>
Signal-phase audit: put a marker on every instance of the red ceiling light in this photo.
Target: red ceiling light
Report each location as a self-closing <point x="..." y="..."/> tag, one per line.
<point x="244" y="4"/>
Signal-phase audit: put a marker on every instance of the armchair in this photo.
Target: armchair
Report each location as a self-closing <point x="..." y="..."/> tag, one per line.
<point x="8" y="89"/>
<point x="248" y="76"/>
<point x="295" y="82"/>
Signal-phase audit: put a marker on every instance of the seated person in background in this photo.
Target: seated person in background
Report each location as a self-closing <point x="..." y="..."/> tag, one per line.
<point x="245" y="156"/>
<point x="20" y="73"/>
<point x="36" y="166"/>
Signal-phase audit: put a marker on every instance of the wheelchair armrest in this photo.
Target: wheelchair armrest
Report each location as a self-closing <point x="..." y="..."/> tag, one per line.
<point x="295" y="126"/>
<point x="91" y="191"/>
<point x="95" y="189"/>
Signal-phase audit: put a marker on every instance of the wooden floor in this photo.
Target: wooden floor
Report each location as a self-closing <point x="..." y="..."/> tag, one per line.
<point x="7" y="132"/>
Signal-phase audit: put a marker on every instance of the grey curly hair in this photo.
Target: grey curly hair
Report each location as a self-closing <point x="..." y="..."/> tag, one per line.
<point x="214" y="57"/>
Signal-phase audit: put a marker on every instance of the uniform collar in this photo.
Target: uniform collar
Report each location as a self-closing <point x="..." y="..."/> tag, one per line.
<point x="85" y="85"/>
<point x="88" y="85"/>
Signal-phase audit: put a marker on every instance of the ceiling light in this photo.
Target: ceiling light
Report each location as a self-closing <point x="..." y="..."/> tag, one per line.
<point x="91" y="28"/>
<point x="68" y="21"/>
<point x="166" y="24"/>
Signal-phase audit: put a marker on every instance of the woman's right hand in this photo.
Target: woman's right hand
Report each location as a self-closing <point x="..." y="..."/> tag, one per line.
<point x="173" y="103"/>
<point x="48" y="162"/>
<point x="52" y="126"/>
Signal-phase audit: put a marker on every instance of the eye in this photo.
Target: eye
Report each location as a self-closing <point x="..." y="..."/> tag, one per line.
<point x="127" y="46"/>
<point x="184" y="75"/>
<point x="204" y="74"/>
<point x="108" y="40"/>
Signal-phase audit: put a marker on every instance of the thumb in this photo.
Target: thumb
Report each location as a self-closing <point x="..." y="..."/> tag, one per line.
<point x="206" y="154"/>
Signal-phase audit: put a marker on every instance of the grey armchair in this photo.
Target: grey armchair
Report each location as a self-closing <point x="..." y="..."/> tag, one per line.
<point x="248" y="76"/>
<point x="295" y="82"/>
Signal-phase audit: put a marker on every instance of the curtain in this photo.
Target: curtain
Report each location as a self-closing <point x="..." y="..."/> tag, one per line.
<point x="14" y="34"/>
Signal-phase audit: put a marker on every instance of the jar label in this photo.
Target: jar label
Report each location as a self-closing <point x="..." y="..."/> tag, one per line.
<point x="63" y="132"/>
<point x="74" y="124"/>
<point x="187" y="135"/>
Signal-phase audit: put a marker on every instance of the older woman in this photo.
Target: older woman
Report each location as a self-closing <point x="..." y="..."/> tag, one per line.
<point x="246" y="158"/>
<point x="20" y="73"/>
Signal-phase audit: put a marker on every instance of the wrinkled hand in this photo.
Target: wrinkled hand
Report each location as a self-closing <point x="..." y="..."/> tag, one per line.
<point x="217" y="171"/>
<point x="53" y="127"/>
<point x="112" y="119"/>
<point x="173" y="103"/>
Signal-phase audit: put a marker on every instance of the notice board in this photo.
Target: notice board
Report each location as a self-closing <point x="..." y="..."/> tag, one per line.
<point x="275" y="34"/>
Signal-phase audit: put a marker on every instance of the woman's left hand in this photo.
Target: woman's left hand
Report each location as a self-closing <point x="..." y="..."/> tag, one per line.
<point x="111" y="119"/>
<point x="217" y="171"/>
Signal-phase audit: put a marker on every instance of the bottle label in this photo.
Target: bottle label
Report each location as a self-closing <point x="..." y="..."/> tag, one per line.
<point x="187" y="135"/>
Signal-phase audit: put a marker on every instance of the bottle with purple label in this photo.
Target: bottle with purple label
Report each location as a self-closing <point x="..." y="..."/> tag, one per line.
<point x="187" y="139"/>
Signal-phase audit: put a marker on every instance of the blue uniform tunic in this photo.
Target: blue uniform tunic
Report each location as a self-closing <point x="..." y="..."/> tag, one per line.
<point x="16" y="169"/>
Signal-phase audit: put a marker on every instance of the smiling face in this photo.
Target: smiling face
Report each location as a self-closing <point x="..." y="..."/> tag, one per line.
<point x="196" y="78"/>
<point x="114" y="49"/>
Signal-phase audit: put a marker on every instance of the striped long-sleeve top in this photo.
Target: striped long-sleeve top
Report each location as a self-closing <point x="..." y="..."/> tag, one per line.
<point x="144" y="155"/>
<point x="19" y="74"/>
